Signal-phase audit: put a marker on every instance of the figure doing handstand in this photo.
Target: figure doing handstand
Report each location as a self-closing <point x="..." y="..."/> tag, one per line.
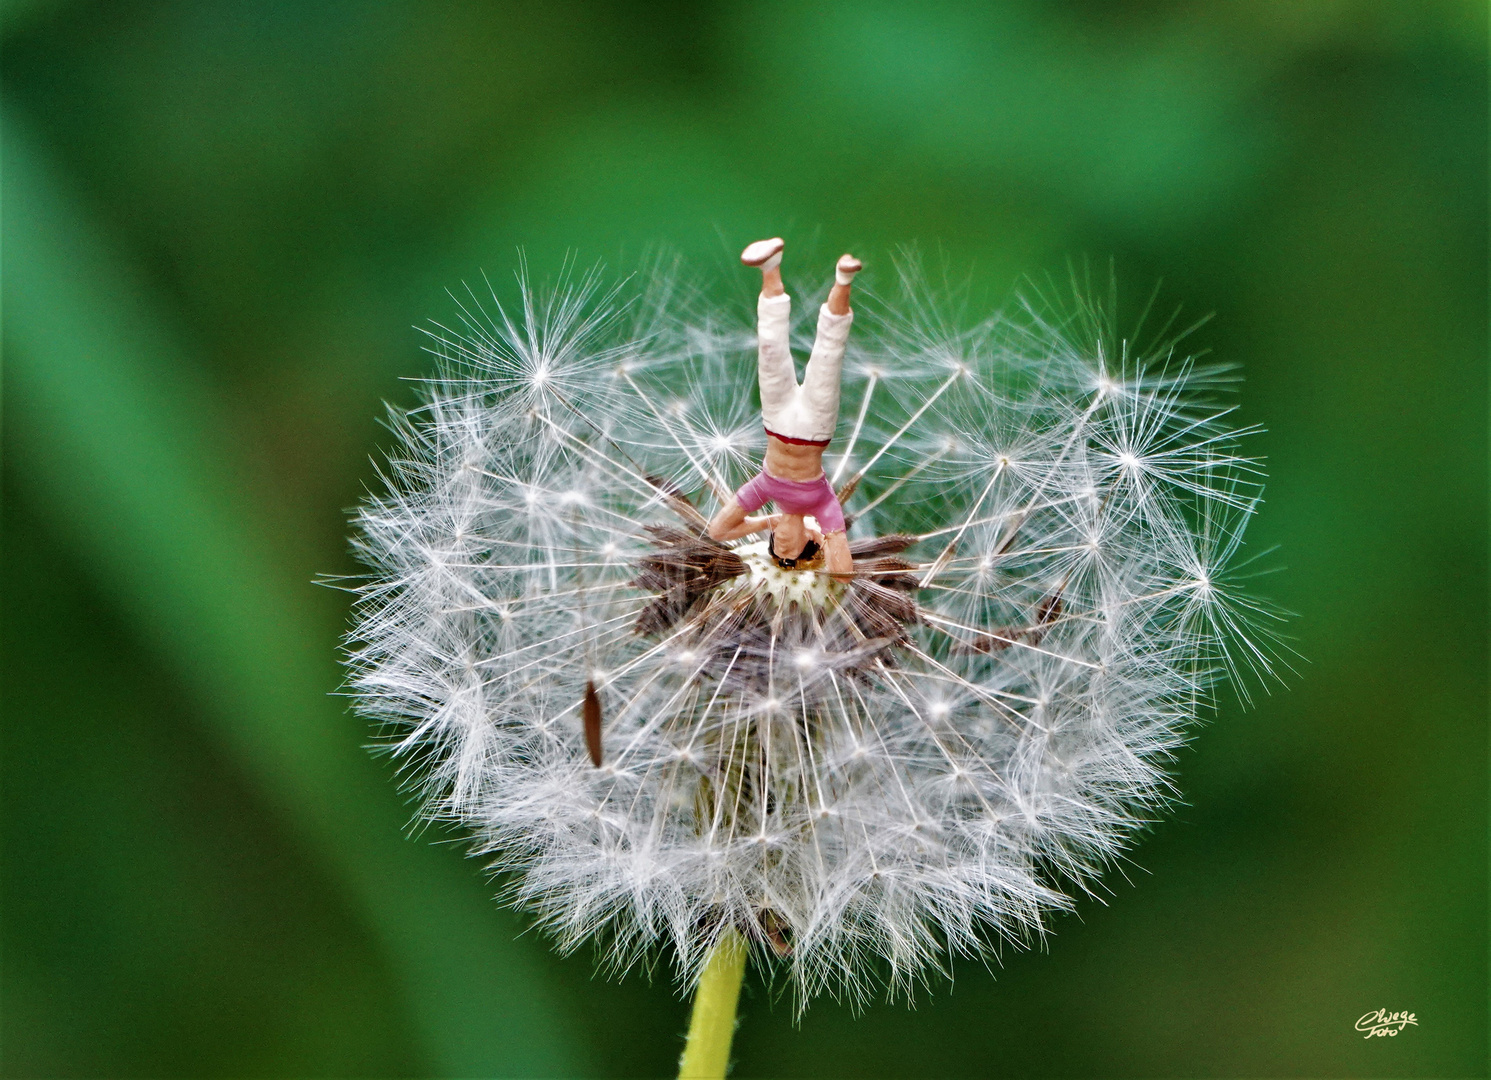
<point x="800" y="423"/>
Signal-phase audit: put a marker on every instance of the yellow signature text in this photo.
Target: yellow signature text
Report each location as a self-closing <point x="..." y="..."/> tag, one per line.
<point x="1380" y="1023"/>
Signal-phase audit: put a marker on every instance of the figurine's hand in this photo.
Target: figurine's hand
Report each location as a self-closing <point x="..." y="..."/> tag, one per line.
<point x="816" y="536"/>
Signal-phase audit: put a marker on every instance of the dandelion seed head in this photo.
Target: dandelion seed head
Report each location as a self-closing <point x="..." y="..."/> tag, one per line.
<point x="867" y="778"/>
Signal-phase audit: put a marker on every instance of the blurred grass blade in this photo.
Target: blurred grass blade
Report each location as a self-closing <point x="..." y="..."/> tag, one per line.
<point x="117" y="441"/>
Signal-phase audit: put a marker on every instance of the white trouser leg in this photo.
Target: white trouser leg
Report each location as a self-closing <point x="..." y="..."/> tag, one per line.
<point x="774" y="361"/>
<point x="818" y="409"/>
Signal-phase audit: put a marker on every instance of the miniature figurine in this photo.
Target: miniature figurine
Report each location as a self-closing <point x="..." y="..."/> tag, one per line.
<point x="800" y="422"/>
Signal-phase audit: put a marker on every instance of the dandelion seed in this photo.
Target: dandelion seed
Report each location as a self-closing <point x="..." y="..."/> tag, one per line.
<point x="668" y="741"/>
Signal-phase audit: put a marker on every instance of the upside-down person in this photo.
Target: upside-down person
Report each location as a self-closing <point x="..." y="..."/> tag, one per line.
<point x="800" y="422"/>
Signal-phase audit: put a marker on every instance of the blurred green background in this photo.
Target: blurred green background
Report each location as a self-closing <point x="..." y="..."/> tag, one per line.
<point x="221" y="221"/>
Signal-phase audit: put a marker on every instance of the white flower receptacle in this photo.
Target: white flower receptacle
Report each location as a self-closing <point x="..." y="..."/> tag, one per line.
<point x="808" y="590"/>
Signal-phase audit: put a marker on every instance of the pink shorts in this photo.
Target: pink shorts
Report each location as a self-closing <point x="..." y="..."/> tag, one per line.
<point x="814" y="497"/>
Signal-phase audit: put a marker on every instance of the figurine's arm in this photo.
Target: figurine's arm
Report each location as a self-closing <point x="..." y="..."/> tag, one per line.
<point x="731" y="522"/>
<point x="836" y="550"/>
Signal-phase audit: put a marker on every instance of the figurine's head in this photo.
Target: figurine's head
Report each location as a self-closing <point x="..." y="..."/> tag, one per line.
<point x="789" y="537"/>
<point x="799" y="547"/>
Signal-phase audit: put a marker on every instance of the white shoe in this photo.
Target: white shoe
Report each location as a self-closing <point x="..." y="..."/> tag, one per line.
<point x="762" y="252"/>
<point x="847" y="267"/>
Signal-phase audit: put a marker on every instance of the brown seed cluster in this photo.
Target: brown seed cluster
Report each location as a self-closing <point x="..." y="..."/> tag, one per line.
<point x="744" y="634"/>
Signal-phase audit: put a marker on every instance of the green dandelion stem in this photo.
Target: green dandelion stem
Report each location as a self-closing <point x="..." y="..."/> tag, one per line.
<point x="707" y="1053"/>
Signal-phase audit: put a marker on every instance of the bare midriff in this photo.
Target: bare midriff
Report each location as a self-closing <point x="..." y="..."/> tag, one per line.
<point x="787" y="461"/>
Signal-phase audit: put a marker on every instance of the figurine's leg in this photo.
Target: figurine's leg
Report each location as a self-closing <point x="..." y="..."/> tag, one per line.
<point x="838" y="296"/>
<point x="767" y="254"/>
<point x="773" y="336"/>
<point x="820" y="382"/>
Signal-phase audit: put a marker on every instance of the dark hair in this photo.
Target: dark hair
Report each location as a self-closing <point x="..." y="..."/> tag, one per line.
<point x="809" y="550"/>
